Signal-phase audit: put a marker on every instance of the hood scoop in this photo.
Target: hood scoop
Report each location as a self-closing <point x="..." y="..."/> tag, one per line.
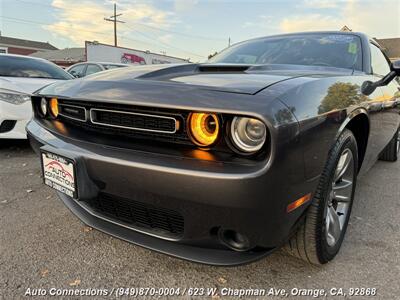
<point x="217" y="68"/>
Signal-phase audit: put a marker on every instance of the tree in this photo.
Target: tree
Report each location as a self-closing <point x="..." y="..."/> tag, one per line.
<point x="341" y="95"/>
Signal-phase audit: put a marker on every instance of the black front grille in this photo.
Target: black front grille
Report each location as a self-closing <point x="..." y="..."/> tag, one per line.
<point x="73" y="112"/>
<point x="127" y="117"/>
<point x="145" y="216"/>
<point x="134" y="121"/>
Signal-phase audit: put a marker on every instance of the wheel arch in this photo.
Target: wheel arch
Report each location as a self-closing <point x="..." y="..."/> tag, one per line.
<point x="359" y="124"/>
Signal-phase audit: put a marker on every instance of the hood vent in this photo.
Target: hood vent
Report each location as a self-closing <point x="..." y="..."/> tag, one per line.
<point x="223" y="68"/>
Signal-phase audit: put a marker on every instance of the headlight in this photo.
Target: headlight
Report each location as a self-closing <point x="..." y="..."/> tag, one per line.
<point x="203" y="128"/>
<point x="54" y="107"/>
<point x="248" y="134"/>
<point x="13" y="97"/>
<point x="43" y="107"/>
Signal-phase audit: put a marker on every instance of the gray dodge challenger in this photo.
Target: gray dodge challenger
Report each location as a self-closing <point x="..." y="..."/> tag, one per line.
<point x="225" y="161"/>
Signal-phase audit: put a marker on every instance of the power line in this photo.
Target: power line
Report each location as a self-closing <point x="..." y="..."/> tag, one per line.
<point x="165" y="44"/>
<point x="180" y="33"/>
<point x="192" y="36"/>
<point x="114" y="19"/>
<point x="16" y="20"/>
<point x="24" y="21"/>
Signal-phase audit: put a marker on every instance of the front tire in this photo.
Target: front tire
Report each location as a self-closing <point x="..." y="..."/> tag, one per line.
<point x="391" y="151"/>
<point x="319" y="237"/>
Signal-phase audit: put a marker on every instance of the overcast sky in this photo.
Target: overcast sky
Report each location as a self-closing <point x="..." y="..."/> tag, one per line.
<point x="190" y="28"/>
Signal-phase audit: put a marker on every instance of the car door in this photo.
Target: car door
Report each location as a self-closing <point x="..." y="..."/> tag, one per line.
<point x="93" y="68"/>
<point x="78" y="71"/>
<point x="390" y="117"/>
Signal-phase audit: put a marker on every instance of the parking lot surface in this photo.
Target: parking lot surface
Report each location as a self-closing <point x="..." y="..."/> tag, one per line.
<point x="43" y="245"/>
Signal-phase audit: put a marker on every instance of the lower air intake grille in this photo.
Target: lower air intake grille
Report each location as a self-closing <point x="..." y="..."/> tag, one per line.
<point x="154" y="219"/>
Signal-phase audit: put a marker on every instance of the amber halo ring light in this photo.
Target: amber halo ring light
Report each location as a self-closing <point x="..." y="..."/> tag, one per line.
<point x="203" y="128"/>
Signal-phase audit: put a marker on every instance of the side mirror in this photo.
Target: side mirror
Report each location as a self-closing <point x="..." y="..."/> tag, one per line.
<point x="395" y="67"/>
<point x="368" y="87"/>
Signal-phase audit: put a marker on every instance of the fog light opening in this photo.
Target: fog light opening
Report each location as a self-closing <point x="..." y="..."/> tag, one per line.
<point x="234" y="240"/>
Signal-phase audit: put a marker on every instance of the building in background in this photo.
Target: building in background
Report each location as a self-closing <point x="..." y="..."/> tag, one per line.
<point x="391" y="47"/>
<point x="106" y="53"/>
<point x="64" y="57"/>
<point x="345" y="29"/>
<point x="23" y="47"/>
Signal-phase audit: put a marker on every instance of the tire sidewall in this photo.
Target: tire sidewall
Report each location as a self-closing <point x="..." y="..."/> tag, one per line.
<point x="347" y="141"/>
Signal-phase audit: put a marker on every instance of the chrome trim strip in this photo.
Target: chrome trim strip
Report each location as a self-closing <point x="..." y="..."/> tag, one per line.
<point x="69" y="117"/>
<point x="92" y="110"/>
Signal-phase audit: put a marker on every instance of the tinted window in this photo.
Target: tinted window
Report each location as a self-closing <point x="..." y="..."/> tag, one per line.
<point x="91" y="69"/>
<point x="332" y="50"/>
<point x="109" y="66"/>
<point x="77" y="71"/>
<point x="379" y="64"/>
<point x="13" y="66"/>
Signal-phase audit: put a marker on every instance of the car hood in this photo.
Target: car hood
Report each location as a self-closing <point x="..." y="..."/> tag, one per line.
<point x="239" y="79"/>
<point x="24" y="84"/>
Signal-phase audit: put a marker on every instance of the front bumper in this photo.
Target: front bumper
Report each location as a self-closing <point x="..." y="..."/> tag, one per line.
<point x="19" y="113"/>
<point x="210" y="196"/>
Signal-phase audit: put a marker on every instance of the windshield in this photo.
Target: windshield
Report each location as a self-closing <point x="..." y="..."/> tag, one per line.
<point x="13" y="66"/>
<point x="331" y="50"/>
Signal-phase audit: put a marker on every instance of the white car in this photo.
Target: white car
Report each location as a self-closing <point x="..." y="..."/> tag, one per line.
<point x="87" y="68"/>
<point x="20" y="76"/>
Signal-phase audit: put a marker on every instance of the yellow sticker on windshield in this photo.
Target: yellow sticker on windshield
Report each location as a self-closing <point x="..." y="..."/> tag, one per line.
<point x="352" y="48"/>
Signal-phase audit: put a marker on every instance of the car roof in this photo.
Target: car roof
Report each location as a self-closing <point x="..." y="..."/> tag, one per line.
<point x="96" y="62"/>
<point x="23" y="57"/>
<point x="100" y="62"/>
<point x="112" y="63"/>
<point x="360" y="34"/>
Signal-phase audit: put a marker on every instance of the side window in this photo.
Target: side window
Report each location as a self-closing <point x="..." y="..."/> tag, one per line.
<point x="380" y="65"/>
<point x="91" y="69"/>
<point x="109" y="67"/>
<point x="77" y="71"/>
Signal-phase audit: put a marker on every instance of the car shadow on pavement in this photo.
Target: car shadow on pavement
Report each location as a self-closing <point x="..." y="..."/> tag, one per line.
<point x="18" y="145"/>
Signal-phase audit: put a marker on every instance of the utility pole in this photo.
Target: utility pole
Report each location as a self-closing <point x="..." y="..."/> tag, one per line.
<point x="229" y="42"/>
<point x="114" y="19"/>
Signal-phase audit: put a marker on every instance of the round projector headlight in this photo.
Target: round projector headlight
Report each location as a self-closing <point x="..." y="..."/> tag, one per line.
<point x="203" y="128"/>
<point x="248" y="134"/>
<point x="43" y="106"/>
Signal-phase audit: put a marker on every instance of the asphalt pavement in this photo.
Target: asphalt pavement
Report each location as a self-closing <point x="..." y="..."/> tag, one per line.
<point x="43" y="245"/>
